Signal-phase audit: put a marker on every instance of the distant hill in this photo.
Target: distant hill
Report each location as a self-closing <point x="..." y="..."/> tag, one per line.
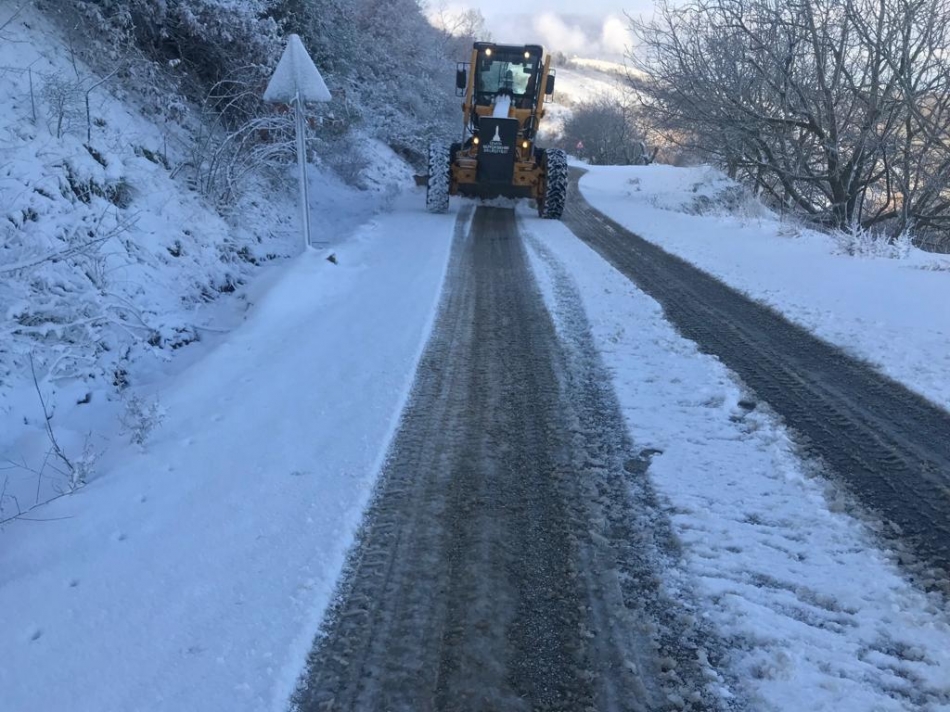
<point x="581" y="80"/>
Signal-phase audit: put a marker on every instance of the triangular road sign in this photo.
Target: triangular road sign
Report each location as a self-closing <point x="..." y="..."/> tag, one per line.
<point x="295" y="73"/>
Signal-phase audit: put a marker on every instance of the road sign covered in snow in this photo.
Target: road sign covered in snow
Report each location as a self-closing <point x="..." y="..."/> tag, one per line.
<point x="297" y="81"/>
<point x="296" y="76"/>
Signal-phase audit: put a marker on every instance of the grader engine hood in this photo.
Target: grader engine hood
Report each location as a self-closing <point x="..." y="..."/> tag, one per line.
<point x="496" y="149"/>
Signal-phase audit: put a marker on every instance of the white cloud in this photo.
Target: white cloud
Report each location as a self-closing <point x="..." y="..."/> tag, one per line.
<point x="602" y="34"/>
<point x="556" y="34"/>
<point x="581" y="35"/>
<point x="616" y="37"/>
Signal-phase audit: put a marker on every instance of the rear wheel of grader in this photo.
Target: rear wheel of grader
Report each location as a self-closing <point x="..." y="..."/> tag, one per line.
<point x="437" y="186"/>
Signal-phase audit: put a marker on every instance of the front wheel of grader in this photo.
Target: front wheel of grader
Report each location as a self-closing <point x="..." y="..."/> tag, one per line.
<point x="554" y="184"/>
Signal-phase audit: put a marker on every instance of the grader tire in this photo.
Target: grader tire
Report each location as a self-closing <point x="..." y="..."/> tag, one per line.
<point x="551" y="205"/>
<point x="437" y="186"/>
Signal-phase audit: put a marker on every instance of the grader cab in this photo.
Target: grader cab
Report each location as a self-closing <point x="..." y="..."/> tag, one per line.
<point x="505" y="87"/>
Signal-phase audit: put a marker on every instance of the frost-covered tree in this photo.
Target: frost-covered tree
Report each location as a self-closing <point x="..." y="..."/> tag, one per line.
<point x="606" y="131"/>
<point x="390" y="70"/>
<point x="837" y="108"/>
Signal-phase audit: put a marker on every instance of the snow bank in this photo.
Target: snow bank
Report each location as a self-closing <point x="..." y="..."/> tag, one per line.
<point x="890" y="313"/>
<point x="196" y="574"/>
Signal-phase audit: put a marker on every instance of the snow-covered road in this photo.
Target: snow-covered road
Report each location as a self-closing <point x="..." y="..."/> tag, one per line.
<point x="595" y="494"/>
<point x="890" y="312"/>
<point x="887" y="444"/>
<point x="725" y="571"/>
<point x="509" y="562"/>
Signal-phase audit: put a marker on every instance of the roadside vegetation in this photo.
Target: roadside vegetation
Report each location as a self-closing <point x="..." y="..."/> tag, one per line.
<point x="144" y="178"/>
<point x="837" y="110"/>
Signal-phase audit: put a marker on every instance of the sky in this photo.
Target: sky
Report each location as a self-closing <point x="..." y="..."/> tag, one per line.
<point x="593" y="7"/>
<point x="593" y="28"/>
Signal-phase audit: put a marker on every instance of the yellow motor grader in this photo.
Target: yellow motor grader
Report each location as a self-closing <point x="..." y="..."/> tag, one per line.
<point x="505" y="87"/>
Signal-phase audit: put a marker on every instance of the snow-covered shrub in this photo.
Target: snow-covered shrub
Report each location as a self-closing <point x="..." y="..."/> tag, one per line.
<point x="347" y="160"/>
<point x="140" y="418"/>
<point x="223" y="160"/>
<point x="83" y="467"/>
<point x="862" y="242"/>
<point x="384" y="62"/>
<point x="198" y="42"/>
<point x="716" y="194"/>
<point x="398" y="79"/>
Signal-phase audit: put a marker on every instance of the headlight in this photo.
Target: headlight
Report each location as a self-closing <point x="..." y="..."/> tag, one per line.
<point x="475" y="140"/>
<point x="488" y="52"/>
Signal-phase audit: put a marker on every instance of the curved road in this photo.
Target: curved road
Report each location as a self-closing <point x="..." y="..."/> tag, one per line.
<point x="890" y="447"/>
<point x="511" y="557"/>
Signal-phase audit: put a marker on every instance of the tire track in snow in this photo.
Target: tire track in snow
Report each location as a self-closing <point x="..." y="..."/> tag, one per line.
<point x="890" y="446"/>
<point x="506" y="563"/>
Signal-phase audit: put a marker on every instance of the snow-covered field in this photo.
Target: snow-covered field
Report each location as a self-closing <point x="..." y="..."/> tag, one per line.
<point x="890" y="312"/>
<point x="814" y="617"/>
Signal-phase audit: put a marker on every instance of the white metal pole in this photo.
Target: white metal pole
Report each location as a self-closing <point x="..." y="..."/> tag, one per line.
<point x="302" y="165"/>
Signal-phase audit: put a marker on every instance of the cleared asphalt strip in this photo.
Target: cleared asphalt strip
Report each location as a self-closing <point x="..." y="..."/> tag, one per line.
<point x="512" y="556"/>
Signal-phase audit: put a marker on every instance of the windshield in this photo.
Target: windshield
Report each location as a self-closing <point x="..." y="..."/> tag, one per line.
<point x="510" y="73"/>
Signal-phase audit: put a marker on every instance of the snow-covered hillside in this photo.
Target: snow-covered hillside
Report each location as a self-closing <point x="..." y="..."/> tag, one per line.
<point x="114" y="269"/>
<point x="578" y="82"/>
<point x="109" y="264"/>
<point x="581" y="81"/>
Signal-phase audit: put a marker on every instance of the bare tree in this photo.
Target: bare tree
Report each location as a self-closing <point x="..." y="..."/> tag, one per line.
<point x="838" y="108"/>
<point x="63" y="98"/>
<point x="606" y="131"/>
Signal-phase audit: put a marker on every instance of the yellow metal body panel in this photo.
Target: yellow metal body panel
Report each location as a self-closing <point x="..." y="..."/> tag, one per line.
<point x="528" y="173"/>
